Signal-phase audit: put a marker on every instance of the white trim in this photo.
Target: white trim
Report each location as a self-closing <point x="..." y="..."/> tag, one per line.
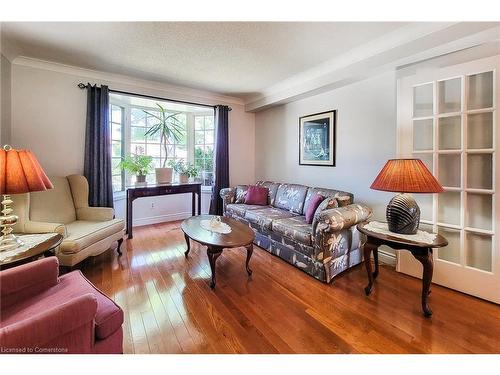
<point x="188" y="94"/>
<point x="160" y="219"/>
<point x="387" y="258"/>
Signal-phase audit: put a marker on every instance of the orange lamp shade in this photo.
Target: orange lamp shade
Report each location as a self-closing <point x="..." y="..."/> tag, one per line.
<point x="20" y="172"/>
<point x="406" y="176"/>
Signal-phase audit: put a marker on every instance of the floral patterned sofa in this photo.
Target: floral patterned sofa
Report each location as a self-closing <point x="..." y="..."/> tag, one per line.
<point x="323" y="249"/>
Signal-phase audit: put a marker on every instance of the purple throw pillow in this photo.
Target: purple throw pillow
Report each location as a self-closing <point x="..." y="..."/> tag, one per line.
<point x="313" y="205"/>
<point x="257" y="195"/>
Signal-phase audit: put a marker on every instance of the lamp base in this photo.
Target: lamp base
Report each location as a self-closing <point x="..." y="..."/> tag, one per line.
<point x="403" y="214"/>
<point x="8" y="241"/>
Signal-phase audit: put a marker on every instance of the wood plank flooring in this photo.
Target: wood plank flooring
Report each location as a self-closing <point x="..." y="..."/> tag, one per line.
<point x="169" y="307"/>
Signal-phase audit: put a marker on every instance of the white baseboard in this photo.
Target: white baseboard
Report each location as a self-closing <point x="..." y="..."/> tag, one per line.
<point x="387" y="258"/>
<point x="160" y="219"/>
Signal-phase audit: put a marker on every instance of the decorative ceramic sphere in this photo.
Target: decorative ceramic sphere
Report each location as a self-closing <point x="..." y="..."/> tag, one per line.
<point x="403" y="214"/>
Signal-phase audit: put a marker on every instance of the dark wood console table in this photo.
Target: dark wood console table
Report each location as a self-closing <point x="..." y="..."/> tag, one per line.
<point x="421" y="251"/>
<point x="151" y="190"/>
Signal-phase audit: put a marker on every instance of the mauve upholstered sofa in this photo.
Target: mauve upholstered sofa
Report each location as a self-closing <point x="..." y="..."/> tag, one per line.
<point x="43" y="313"/>
<point x="324" y="248"/>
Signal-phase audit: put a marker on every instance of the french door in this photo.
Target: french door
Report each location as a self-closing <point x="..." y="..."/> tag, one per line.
<point x="447" y="118"/>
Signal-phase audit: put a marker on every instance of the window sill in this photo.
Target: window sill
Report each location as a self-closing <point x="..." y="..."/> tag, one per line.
<point x="122" y="195"/>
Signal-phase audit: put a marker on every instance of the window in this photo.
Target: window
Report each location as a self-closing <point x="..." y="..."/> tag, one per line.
<point x="204" y="140"/>
<point x="131" y="118"/>
<point x="117" y="150"/>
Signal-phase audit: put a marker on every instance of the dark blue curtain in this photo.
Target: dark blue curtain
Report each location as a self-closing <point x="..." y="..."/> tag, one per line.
<point x="221" y="157"/>
<point x="97" y="162"/>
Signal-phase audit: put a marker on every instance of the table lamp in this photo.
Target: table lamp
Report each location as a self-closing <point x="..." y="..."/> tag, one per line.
<point x="20" y="173"/>
<point x="405" y="176"/>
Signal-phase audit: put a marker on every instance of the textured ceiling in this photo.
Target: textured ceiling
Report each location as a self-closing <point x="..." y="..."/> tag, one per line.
<point x="233" y="58"/>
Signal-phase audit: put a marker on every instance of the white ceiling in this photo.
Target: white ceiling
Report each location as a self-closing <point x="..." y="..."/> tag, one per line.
<point x="233" y="58"/>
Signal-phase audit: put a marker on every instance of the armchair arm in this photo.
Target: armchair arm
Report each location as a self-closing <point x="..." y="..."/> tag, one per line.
<point x="227" y="195"/>
<point x="44" y="227"/>
<point x="95" y="213"/>
<point x="28" y="279"/>
<point x="52" y="324"/>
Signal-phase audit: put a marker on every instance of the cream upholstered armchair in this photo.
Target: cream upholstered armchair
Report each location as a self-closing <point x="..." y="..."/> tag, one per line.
<point x="88" y="231"/>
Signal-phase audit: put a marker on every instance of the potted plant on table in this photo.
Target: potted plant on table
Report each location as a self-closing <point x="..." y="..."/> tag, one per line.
<point x="140" y="165"/>
<point x="169" y="128"/>
<point x="185" y="171"/>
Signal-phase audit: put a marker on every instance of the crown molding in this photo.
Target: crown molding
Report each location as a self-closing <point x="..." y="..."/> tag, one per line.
<point x="117" y="81"/>
<point x="414" y="43"/>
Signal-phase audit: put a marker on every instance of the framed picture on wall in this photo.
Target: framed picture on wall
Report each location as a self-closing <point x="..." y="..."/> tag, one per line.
<point x="317" y="139"/>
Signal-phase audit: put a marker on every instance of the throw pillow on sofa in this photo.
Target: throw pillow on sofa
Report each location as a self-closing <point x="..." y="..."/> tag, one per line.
<point x="327" y="204"/>
<point x="314" y="203"/>
<point x="257" y="195"/>
<point x="240" y="193"/>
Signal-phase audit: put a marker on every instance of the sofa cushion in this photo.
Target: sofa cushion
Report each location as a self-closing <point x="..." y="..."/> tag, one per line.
<point x="257" y="195"/>
<point x="291" y="197"/>
<point x="327" y="204"/>
<point x="264" y="217"/>
<point x="82" y="234"/>
<point x="109" y="316"/>
<point x="239" y="209"/>
<point x="273" y="188"/>
<point x="343" y="196"/>
<point x="295" y="228"/>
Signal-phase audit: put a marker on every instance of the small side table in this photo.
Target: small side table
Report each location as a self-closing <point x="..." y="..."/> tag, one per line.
<point x="35" y="246"/>
<point x="420" y="250"/>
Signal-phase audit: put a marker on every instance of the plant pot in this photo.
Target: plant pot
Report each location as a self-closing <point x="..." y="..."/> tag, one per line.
<point x="183" y="178"/>
<point x="163" y="175"/>
<point x="141" y="178"/>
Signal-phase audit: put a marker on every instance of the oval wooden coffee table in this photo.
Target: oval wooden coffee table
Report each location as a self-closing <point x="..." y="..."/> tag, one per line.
<point x="240" y="236"/>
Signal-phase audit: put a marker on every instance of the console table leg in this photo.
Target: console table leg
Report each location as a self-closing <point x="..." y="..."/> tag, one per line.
<point x="213" y="254"/>
<point x="186" y="253"/>
<point x="249" y="255"/>
<point x="428" y="265"/>
<point x="367" y="250"/>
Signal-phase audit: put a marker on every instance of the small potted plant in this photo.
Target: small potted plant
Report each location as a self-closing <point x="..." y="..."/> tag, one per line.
<point x="185" y="171"/>
<point x="140" y="165"/>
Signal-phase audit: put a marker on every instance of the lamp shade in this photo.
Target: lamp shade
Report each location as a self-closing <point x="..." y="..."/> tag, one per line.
<point x="20" y="172"/>
<point x="406" y="176"/>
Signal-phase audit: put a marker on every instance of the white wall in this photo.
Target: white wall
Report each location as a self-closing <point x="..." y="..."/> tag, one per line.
<point x="48" y="117"/>
<point x="5" y="100"/>
<point x="366" y="139"/>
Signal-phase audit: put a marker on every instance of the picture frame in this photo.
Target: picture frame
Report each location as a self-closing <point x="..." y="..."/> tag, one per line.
<point x="317" y="137"/>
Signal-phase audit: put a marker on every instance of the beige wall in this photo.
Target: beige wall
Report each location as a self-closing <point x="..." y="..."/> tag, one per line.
<point x="366" y="139"/>
<point x="5" y="100"/>
<point x="49" y="110"/>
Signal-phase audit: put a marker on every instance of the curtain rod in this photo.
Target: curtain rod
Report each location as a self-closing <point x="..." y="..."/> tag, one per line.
<point x="83" y="86"/>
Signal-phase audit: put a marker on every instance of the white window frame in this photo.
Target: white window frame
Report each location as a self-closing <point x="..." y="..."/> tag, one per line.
<point x="126" y="128"/>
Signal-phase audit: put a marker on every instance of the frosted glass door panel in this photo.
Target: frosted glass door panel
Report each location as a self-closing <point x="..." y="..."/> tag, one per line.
<point x="480" y="131"/>
<point x="479" y="171"/>
<point x="478" y="251"/>
<point x="479" y="211"/>
<point x="449" y="208"/>
<point x="450" y="95"/>
<point x="424" y="201"/>
<point x="480" y="91"/>
<point x="450" y="253"/>
<point x="450" y="133"/>
<point x="422" y="101"/>
<point x="422" y="135"/>
<point x="449" y="170"/>
<point x="426" y="158"/>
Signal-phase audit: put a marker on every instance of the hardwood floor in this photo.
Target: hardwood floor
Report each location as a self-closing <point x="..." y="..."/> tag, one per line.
<point x="169" y="307"/>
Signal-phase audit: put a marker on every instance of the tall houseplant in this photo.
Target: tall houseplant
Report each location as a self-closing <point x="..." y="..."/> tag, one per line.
<point x="169" y="128"/>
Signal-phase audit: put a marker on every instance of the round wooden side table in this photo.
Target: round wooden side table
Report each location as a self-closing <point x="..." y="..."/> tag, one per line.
<point x="420" y="250"/>
<point x="36" y="246"/>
